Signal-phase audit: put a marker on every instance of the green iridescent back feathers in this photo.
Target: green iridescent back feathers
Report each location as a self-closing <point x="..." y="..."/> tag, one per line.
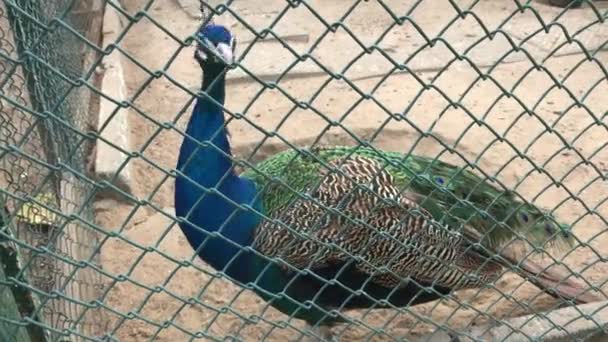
<point x="453" y="195"/>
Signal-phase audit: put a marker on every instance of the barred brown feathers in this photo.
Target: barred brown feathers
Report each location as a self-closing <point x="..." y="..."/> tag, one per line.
<point x="356" y="212"/>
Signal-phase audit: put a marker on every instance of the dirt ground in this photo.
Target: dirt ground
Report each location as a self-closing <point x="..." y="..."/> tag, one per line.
<point x="159" y="291"/>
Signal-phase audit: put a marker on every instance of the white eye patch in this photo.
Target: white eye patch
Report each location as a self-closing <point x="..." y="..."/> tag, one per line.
<point x="222" y="52"/>
<point x="201" y="54"/>
<point x="225" y="52"/>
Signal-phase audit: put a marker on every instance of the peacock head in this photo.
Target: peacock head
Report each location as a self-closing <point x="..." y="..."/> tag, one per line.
<point x="215" y="47"/>
<point x="540" y="229"/>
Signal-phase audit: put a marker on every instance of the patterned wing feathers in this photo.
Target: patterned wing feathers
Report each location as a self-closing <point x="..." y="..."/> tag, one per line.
<point x="356" y="209"/>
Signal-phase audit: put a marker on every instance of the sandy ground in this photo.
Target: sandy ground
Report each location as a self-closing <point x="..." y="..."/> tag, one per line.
<point x="158" y="290"/>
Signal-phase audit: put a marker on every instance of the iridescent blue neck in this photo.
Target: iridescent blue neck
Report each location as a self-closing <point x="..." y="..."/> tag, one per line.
<point x="209" y="193"/>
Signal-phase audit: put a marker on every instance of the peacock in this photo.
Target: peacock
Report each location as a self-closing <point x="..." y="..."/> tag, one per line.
<point x="320" y="230"/>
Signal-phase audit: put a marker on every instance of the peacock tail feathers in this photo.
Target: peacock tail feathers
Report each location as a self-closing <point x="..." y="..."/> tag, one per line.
<point x="453" y="196"/>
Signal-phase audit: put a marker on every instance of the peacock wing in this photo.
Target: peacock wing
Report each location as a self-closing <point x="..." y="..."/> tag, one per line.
<point x="356" y="209"/>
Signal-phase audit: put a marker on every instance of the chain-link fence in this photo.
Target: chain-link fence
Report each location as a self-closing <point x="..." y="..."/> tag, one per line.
<point x="48" y="53"/>
<point x="512" y="90"/>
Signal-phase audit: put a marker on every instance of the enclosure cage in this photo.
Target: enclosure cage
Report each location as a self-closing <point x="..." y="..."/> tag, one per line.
<point x="94" y="100"/>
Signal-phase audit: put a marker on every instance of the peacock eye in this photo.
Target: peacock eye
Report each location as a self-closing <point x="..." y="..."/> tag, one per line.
<point x="439" y="180"/>
<point x="524" y="217"/>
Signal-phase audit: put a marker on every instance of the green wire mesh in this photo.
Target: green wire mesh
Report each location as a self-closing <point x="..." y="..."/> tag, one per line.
<point x="45" y="114"/>
<point x="520" y="99"/>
